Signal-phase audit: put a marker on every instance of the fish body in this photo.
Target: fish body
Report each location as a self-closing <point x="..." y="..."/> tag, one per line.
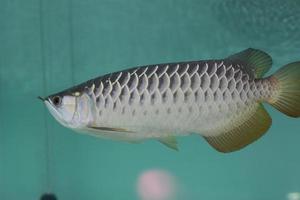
<point x="167" y="99"/>
<point x="217" y="99"/>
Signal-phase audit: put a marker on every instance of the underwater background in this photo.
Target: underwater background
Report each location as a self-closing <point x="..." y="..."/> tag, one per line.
<point x="49" y="45"/>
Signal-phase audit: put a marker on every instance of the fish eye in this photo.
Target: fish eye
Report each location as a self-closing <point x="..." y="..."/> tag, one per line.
<point x="56" y="100"/>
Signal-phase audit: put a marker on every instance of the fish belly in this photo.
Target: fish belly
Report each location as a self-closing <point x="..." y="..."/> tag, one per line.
<point x="169" y="119"/>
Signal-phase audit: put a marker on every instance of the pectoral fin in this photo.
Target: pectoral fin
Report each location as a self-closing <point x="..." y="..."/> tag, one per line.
<point x="119" y="134"/>
<point x="109" y="129"/>
<point x="233" y="138"/>
<point x="169" y="142"/>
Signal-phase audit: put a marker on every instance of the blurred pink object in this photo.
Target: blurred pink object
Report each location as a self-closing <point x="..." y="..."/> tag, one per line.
<point x="156" y="185"/>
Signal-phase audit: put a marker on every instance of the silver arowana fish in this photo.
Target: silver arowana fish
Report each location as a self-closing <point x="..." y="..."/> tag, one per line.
<point x="220" y="100"/>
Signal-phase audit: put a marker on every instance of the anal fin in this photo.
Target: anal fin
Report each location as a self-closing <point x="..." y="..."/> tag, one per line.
<point x="237" y="137"/>
<point x="169" y="142"/>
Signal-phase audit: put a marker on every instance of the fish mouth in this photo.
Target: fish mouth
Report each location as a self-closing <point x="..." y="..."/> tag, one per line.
<point x="54" y="112"/>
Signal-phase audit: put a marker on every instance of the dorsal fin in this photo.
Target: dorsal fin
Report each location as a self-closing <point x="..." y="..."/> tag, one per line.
<point x="257" y="62"/>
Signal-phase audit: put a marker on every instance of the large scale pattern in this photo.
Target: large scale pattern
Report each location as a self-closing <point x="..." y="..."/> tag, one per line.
<point x="196" y="92"/>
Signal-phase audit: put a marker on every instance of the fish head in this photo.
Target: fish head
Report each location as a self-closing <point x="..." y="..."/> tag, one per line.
<point x="70" y="110"/>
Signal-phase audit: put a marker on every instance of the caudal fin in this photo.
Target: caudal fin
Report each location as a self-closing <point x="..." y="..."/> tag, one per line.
<point x="287" y="96"/>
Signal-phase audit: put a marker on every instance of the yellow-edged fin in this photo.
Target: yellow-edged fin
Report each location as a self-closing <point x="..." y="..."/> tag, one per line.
<point x="257" y="62"/>
<point x="240" y="136"/>
<point x="169" y="142"/>
<point x="287" y="83"/>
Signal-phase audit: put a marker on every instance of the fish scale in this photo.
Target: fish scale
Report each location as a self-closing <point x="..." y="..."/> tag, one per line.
<point x="220" y="100"/>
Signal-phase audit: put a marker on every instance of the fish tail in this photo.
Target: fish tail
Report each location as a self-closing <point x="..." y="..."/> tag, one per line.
<point x="286" y="96"/>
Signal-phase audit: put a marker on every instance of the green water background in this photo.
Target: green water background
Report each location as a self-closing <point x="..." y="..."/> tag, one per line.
<point x="47" y="46"/>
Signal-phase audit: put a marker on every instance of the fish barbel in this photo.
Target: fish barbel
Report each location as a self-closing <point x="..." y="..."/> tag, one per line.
<point x="220" y="100"/>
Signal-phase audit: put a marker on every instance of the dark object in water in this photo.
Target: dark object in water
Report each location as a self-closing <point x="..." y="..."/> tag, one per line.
<point x="48" y="197"/>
